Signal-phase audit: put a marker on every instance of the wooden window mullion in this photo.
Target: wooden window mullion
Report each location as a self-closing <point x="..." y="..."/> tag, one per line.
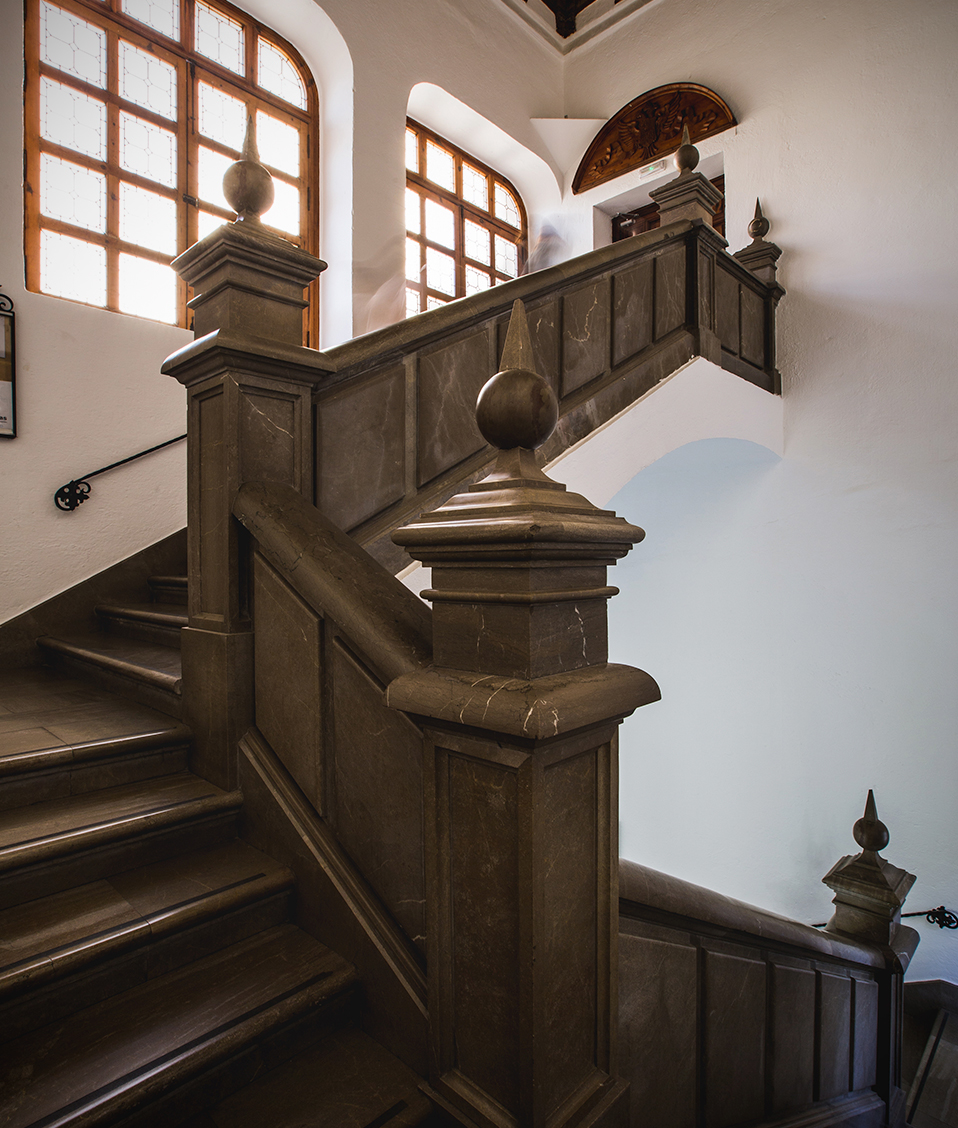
<point x="113" y="168"/>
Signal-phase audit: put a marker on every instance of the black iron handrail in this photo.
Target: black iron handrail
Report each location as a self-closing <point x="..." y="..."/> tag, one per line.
<point x="75" y="492"/>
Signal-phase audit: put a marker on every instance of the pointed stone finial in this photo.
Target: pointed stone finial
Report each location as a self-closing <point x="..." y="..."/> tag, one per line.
<point x="686" y="156"/>
<point x="517" y="407"/>
<point x="870" y="832"/>
<point x="247" y="185"/>
<point x="759" y="226"/>
<point x="869" y="891"/>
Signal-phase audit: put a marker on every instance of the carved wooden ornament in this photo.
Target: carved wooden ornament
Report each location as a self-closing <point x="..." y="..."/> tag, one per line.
<point x="650" y="127"/>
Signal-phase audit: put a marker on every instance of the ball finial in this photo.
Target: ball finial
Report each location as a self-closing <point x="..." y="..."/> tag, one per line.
<point x="247" y="185"/>
<point x="759" y="225"/>
<point x="686" y="156"/>
<point x="517" y="407"/>
<point x="870" y="832"/>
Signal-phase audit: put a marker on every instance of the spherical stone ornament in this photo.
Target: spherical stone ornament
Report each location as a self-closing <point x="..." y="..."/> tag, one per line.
<point x="517" y="408"/>
<point x="248" y="188"/>
<point x="871" y="834"/>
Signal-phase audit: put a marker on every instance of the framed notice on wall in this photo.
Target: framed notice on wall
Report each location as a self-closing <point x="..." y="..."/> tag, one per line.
<point x="8" y="419"/>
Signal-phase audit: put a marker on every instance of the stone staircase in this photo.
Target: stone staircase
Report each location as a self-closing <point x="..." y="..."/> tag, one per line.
<point x="150" y="969"/>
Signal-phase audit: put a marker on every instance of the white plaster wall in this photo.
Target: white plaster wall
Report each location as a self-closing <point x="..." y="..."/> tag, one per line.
<point x="799" y="614"/>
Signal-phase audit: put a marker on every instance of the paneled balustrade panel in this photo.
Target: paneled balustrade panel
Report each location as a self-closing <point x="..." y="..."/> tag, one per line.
<point x="395" y="423"/>
<point x="722" y="1030"/>
<point x="319" y="705"/>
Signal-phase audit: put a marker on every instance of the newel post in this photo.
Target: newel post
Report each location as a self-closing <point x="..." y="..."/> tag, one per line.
<point x="249" y="383"/>
<point x="869" y="895"/>
<point x="520" y="710"/>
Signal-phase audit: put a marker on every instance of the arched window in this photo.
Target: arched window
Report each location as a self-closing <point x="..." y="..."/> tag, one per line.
<point x="465" y="224"/>
<point x="134" y="110"/>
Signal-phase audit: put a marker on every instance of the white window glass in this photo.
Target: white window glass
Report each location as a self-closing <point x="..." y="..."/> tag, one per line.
<point x="147" y="289"/>
<point x="476" y="280"/>
<point x="506" y="208"/>
<point x="212" y="167"/>
<point x="284" y="213"/>
<point x="412" y="303"/>
<point x="435" y="303"/>
<point x="207" y="223"/>
<point x="72" y="193"/>
<point x="277" y="73"/>
<point x="147" y="150"/>
<point x="440" y="167"/>
<point x="413" y="220"/>
<point x="507" y="257"/>
<point x="72" y="45"/>
<point x="71" y="268"/>
<point x="440" y="225"/>
<point x="147" y="218"/>
<point x="475" y="187"/>
<point x="162" y="15"/>
<point x="413" y="260"/>
<point x="477" y="242"/>
<point x="278" y="143"/>
<point x="72" y="119"/>
<point x="148" y="81"/>
<point x="412" y="153"/>
<point x="220" y="38"/>
<point x="440" y="271"/>
<point x="222" y="117"/>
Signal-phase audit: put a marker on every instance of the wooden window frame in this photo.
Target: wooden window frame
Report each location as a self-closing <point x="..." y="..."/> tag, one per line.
<point x="192" y="67"/>
<point x="426" y="189"/>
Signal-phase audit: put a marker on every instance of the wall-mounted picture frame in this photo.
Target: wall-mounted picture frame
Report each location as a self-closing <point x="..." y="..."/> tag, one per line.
<point x="8" y="370"/>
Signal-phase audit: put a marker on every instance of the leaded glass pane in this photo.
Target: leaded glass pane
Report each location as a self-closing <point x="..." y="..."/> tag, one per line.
<point x="72" y="268"/>
<point x="147" y="150"/>
<point x="440" y="166"/>
<point x="507" y="257"/>
<point x="222" y="117"/>
<point x="220" y="38"/>
<point x="412" y="152"/>
<point x="147" y="218"/>
<point x="440" y="271"/>
<point x="413" y="219"/>
<point x="207" y="223"/>
<point x="162" y="15"/>
<point x="413" y="260"/>
<point x="147" y="289"/>
<point x="277" y="73"/>
<point x="148" y="81"/>
<point x="475" y="187"/>
<point x="440" y="225"/>
<point x="72" y="193"/>
<point x="72" y="45"/>
<point x="412" y="302"/>
<point x="476" y="280"/>
<point x="506" y="207"/>
<point x="434" y="302"/>
<point x="211" y="169"/>
<point x="284" y="213"/>
<point x="72" y="119"/>
<point x="477" y="242"/>
<point x="278" y="143"/>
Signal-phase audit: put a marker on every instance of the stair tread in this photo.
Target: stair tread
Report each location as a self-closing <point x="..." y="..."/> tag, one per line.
<point x="60" y="825"/>
<point x="347" y="1080"/>
<point x="164" y="614"/>
<point x="56" y="934"/>
<point x="152" y="661"/>
<point x="121" y="1052"/>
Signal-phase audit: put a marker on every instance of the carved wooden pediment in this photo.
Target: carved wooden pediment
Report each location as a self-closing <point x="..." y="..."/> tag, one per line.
<point x="650" y="127"/>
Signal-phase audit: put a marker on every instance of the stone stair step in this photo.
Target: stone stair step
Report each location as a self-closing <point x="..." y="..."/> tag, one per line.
<point x="68" y="950"/>
<point x="150" y="671"/>
<point x="179" y="1042"/>
<point x="54" y="744"/>
<point x="169" y="589"/>
<point x="148" y="622"/>
<point x="346" y="1080"/>
<point x="48" y="847"/>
